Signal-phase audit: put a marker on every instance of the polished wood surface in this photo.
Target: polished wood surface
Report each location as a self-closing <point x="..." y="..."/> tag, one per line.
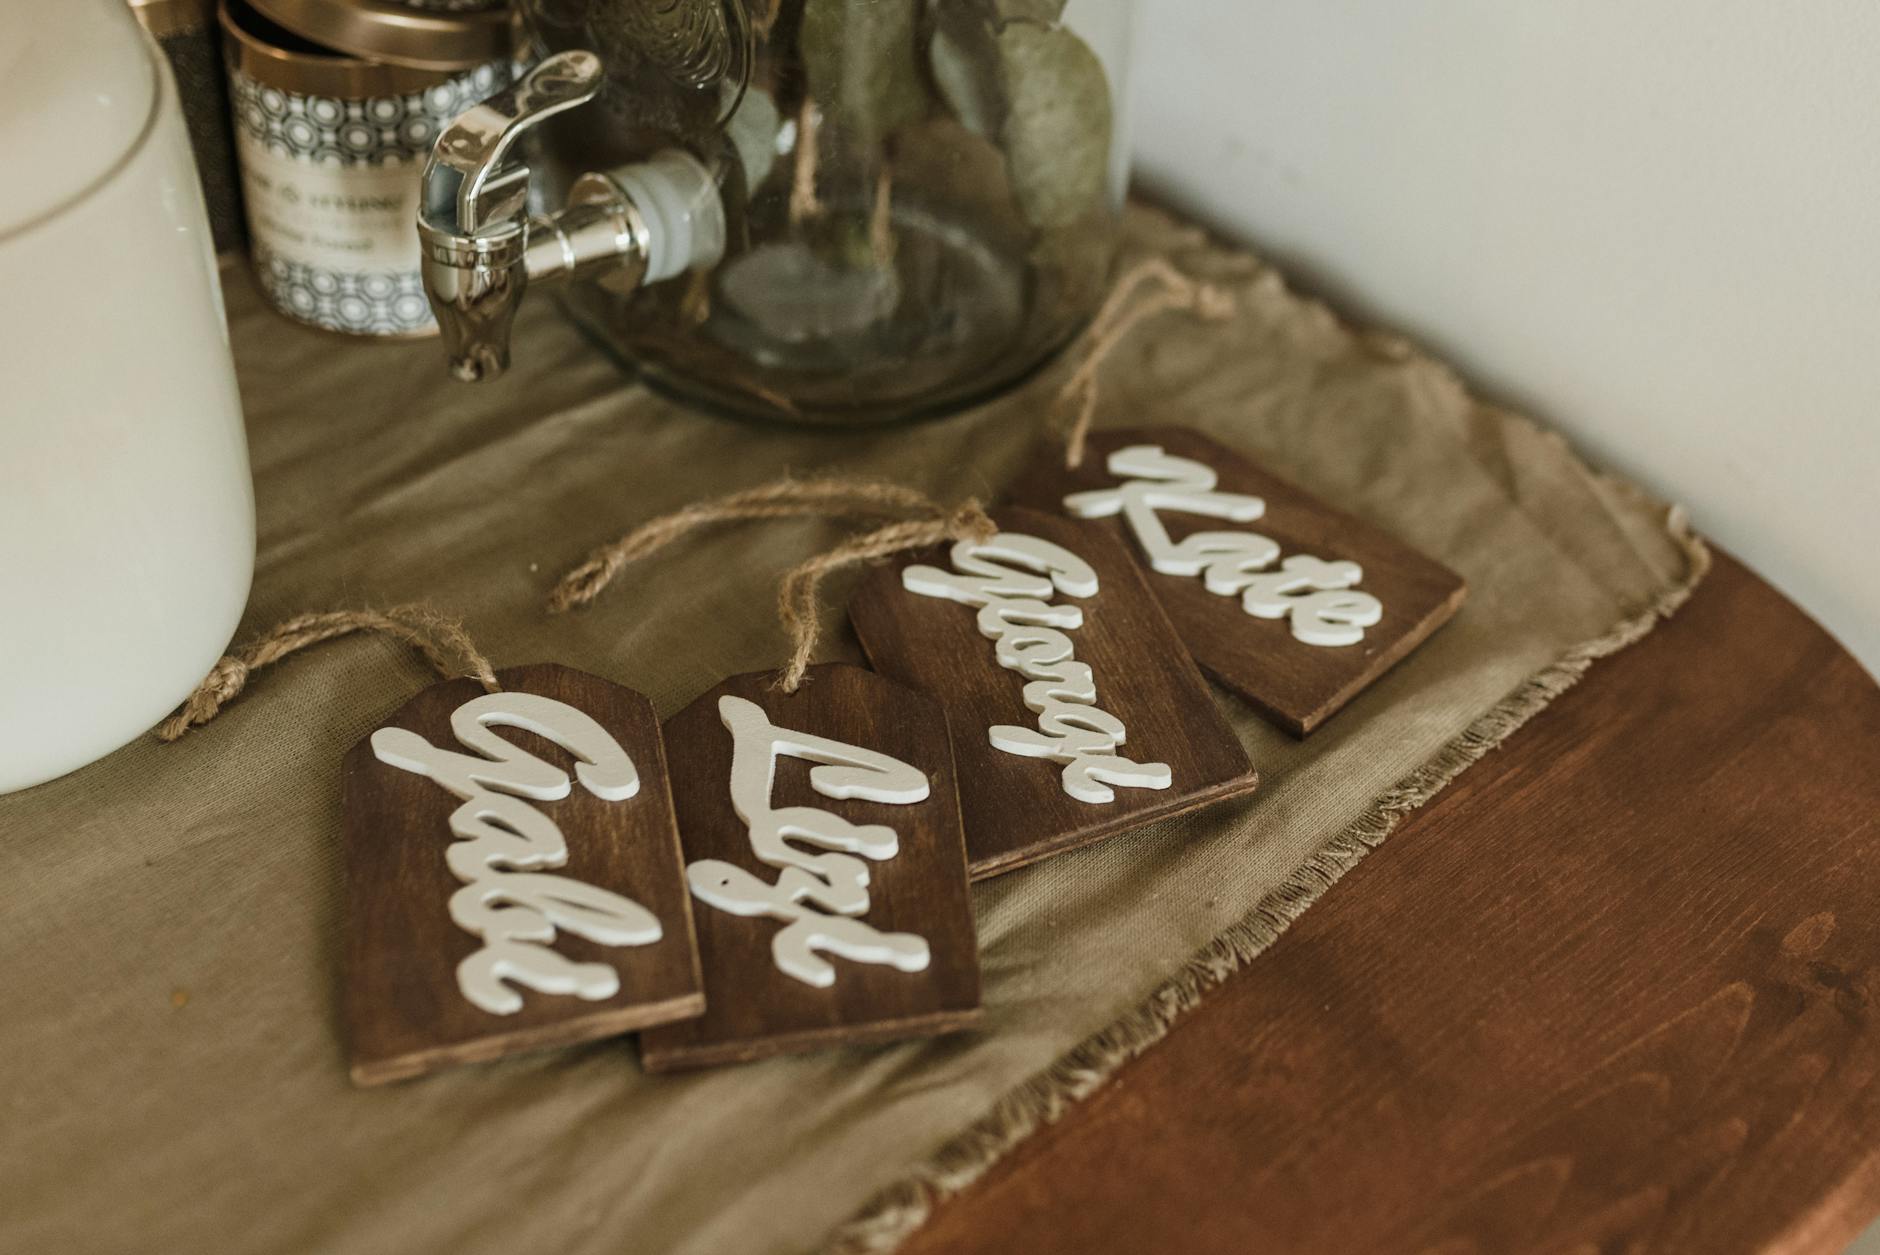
<point x="753" y="1009"/>
<point x="1017" y="810"/>
<point x="1295" y="685"/>
<point x="405" y="1013"/>
<point x="1616" y="989"/>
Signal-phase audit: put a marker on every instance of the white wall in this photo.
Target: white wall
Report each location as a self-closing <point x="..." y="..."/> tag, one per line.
<point x="1652" y="223"/>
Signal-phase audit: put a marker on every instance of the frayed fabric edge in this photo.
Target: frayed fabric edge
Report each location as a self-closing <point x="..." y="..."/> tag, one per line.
<point x="895" y="1212"/>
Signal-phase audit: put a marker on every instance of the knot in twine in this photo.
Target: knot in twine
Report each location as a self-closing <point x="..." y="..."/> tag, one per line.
<point x="797" y="594"/>
<point x="933" y="524"/>
<point x="442" y="641"/>
<point x="1120" y="316"/>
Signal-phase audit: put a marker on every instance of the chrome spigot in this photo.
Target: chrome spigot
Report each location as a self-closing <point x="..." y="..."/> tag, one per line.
<point x="481" y="251"/>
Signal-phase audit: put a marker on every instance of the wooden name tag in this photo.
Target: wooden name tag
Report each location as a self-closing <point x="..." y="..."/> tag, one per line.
<point x="513" y="875"/>
<point x="1076" y="713"/>
<point x="1292" y="604"/>
<point x="823" y="848"/>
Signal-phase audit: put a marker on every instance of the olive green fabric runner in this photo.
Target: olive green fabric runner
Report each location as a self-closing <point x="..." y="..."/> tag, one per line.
<point x="170" y="1050"/>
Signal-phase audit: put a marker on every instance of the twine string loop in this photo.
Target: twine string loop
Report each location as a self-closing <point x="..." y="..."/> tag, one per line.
<point x="440" y="639"/>
<point x="1121" y="314"/>
<point x="917" y="523"/>
<point x="781" y="499"/>
<point x="797" y="594"/>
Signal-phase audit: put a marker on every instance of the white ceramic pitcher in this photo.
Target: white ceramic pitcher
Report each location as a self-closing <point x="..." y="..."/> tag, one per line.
<point x="126" y="506"/>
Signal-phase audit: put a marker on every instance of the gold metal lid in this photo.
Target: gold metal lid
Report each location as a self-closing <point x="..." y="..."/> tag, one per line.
<point x="398" y="34"/>
<point x="276" y="57"/>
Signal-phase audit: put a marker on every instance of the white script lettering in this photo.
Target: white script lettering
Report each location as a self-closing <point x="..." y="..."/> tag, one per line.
<point x="1318" y="596"/>
<point x="1329" y="613"/>
<point x="505" y="845"/>
<point x="818" y="896"/>
<point x="1011" y="579"/>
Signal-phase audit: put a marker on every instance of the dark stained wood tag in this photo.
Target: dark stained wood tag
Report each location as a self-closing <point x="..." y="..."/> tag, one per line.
<point x="1076" y="713"/>
<point x="513" y="875"/>
<point x="1292" y="604"/>
<point x="823" y="847"/>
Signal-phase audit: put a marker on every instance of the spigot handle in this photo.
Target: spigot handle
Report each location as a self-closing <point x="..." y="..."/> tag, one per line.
<point x="469" y="181"/>
<point x="479" y="250"/>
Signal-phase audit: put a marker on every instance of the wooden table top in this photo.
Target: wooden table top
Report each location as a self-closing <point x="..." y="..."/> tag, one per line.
<point x="1616" y="989"/>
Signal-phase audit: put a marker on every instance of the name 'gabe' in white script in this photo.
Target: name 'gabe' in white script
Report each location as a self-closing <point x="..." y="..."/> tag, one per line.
<point x="508" y="900"/>
<point x="1011" y="579"/>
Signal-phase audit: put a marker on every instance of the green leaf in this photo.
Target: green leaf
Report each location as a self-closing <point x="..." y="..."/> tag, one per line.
<point x="1058" y="124"/>
<point x="964" y="57"/>
<point x="861" y="60"/>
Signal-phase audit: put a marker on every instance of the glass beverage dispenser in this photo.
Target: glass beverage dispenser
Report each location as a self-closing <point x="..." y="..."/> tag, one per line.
<point x="823" y="211"/>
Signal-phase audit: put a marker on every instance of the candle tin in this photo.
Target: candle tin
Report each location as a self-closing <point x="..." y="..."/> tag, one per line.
<point x="331" y="142"/>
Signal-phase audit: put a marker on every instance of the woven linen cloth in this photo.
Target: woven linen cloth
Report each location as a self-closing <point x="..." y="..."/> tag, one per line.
<point x="172" y="1069"/>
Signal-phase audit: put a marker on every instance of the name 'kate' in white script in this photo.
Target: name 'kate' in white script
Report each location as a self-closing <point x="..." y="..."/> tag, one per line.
<point x="506" y="846"/>
<point x="1011" y="579"/>
<point x="1319" y="597"/>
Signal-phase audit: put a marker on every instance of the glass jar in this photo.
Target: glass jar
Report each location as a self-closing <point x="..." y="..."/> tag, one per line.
<point x="922" y="198"/>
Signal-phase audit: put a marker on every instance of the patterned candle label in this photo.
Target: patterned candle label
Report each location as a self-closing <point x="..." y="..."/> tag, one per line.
<point x="332" y="192"/>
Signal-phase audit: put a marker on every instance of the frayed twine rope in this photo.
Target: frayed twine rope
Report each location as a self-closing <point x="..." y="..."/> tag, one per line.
<point x="1120" y="316"/>
<point x="796" y="596"/>
<point x="933" y="524"/>
<point x="781" y="499"/>
<point x="442" y="641"/>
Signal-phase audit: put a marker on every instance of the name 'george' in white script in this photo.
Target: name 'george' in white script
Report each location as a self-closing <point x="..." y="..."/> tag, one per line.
<point x="1011" y="579"/>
